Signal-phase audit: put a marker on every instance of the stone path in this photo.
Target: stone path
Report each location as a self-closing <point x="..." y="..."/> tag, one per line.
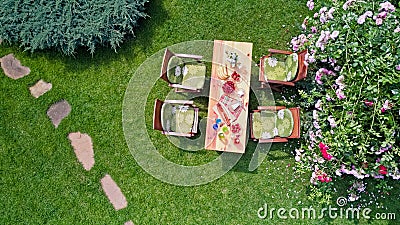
<point x="113" y="192"/>
<point x="81" y="143"/>
<point x="83" y="148"/>
<point x="12" y="67"/>
<point x="40" y="88"/>
<point x="58" y="111"/>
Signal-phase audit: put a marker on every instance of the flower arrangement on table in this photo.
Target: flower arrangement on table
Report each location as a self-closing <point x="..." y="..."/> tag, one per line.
<point x="232" y="58"/>
<point x="352" y="94"/>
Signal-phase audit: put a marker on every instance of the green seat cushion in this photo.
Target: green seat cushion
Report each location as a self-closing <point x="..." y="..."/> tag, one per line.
<point x="175" y="119"/>
<point x="184" y="120"/>
<point x="173" y="63"/>
<point x="264" y="125"/>
<point x="195" y="76"/>
<point x="291" y="66"/>
<point x="274" y="69"/>
<point x="284" y="122"/>
<point x="256" y="125"/>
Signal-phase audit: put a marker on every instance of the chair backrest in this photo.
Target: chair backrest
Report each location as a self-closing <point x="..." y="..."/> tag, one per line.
<point x="196" y="120"/>
<point x="157" y="125"/>
<point x="296" y="122"/>
<point x="251" y="125"/>
<point x="164" y="67"/>
<point x="302" y="69"/>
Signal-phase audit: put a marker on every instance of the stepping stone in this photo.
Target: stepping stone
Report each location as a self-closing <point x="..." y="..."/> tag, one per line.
<point x="58" y="111"/>
<point x="83" y="148"/>
<point x="113" y="192"/>
<point x="12" y="67"/>
<point x="40" y="88"/>
<point x="129" y="223"/>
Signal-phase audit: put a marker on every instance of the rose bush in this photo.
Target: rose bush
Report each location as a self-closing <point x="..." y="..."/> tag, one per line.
<point x="353" y="92"/>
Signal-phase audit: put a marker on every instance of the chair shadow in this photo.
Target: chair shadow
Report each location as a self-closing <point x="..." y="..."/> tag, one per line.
<point x="252" y="155"/>
<point x="244" y="162"/>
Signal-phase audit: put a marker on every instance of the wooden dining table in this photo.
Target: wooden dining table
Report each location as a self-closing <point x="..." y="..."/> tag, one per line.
<point x="227" y="118"/>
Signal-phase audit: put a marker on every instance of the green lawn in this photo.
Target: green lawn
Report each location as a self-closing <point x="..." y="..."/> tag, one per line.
<point x="43" y="183"/>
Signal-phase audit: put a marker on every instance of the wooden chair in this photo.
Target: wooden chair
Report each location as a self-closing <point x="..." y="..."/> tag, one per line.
<point x="276" y="84"/>
<point x="192" y="81"/>
<point x="171" y="120"/>
<point x="295" y="132"/>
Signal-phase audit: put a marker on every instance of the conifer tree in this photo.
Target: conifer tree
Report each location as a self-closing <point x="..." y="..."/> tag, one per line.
<point x="68" y="24"/>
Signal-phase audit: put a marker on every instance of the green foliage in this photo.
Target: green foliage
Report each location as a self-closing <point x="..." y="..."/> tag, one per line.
<point x="353" y="81"/>
<point x="68" y="24"/>
<point x="319" y="195"/>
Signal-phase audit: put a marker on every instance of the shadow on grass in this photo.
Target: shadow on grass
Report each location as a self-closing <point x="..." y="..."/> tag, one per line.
<point x="128" y="50"/>
<point x="244" y="162"/>
<point x="264" y="153"/>
<point x="157" y="17"/>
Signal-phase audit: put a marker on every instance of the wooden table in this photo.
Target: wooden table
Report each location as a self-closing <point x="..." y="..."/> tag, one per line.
<point x="229" y="107"/>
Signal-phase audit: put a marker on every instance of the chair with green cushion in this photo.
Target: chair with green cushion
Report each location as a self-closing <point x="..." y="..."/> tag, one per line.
<point x="274" y="124"/>
<point x="264" y="124"/>
<point x="280" y="68"/>
<point x="184" y="72"/>
<point x="175" y="117"/>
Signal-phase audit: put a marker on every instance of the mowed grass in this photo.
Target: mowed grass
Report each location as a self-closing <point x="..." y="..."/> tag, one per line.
<point x="41" y="181"/>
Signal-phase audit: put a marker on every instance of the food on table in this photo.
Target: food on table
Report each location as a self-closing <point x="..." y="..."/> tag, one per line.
<point x="235" y="128"/>
<point x="228" y="87"/>
<point x="235" y="76"/>
<point x="222" y="73"/>
<point x="240" y="93"/>
<point x="235" y="105"/>
<point x="221" y="109"/>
